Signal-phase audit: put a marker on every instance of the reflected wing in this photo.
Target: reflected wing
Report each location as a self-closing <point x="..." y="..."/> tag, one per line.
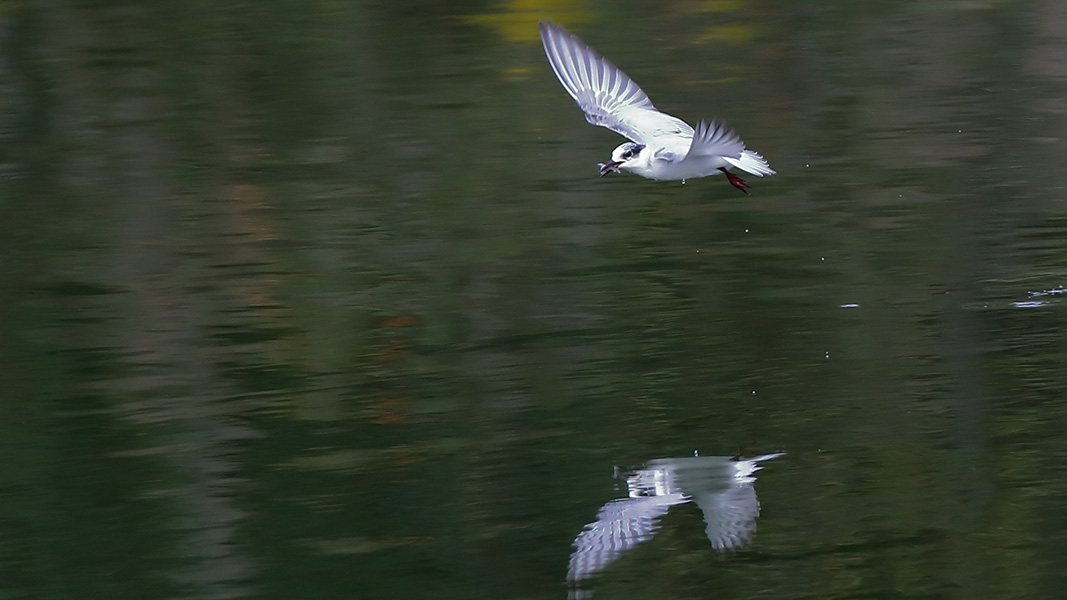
<point x="730" y="516"/>
<point x="714" y="139"/>
<point x="608" y="97"/>
<point x="620" y="525"/>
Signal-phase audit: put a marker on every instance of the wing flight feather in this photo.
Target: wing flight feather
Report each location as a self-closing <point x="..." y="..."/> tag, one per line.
<point x="608" y="96"/>
<point x="711" y="138"/>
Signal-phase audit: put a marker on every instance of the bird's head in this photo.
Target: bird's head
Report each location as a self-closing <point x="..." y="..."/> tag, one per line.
<point x="621" y="155"/>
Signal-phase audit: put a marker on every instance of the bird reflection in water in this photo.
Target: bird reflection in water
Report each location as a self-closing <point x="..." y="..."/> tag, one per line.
<point x="721" y="486"/>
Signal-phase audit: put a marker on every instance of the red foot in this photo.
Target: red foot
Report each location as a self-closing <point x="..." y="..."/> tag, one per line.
<point x="734" y="180"/>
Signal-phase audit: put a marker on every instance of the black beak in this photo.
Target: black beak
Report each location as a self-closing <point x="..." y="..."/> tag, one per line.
<point x="610" y="167"/>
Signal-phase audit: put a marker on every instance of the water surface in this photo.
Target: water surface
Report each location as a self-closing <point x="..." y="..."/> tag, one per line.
<point x="326" y="300"/>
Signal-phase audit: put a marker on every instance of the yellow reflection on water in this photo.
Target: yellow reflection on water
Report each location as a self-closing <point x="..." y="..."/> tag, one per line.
<point x="517" y="21"/>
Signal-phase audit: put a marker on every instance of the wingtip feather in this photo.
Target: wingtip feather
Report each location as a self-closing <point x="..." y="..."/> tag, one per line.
<point x="751" y="162"/>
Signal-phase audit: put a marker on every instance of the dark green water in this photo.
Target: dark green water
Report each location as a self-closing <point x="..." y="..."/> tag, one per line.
<point x="326" y="300"/>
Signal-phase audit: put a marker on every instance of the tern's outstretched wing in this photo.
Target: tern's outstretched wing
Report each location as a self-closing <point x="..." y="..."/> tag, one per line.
<point x="715" y="139"/>
<point x="608" y="97"/>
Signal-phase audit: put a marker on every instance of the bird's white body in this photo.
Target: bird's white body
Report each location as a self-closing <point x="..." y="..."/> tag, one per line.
<point x="663" y="147"/>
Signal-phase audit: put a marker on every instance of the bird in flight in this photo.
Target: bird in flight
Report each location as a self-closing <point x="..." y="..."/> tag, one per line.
<point x="661" y="147"/>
